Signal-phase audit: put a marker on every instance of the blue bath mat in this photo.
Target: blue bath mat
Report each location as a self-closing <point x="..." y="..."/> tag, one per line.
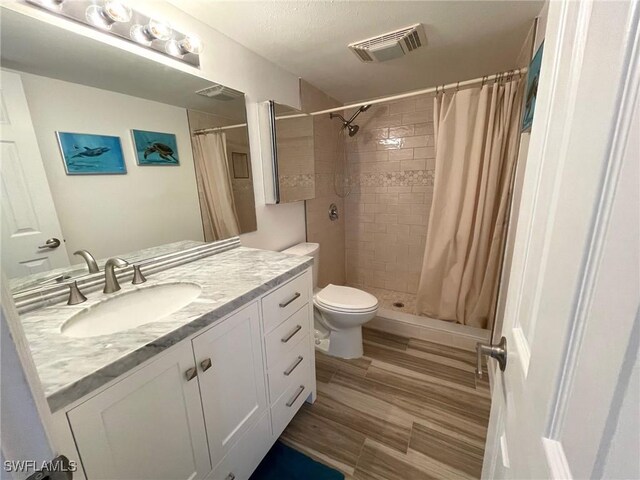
<point x="285" y="463"/>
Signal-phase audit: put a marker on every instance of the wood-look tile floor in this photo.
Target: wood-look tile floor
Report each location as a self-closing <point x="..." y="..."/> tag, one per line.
<point x="409" y="409"/>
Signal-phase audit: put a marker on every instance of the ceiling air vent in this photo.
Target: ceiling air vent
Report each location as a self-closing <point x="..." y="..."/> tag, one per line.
<point x="220" y="92"/>
<point x="390" y="45"/>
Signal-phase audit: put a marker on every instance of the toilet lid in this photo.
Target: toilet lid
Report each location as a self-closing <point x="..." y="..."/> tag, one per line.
<point x="346" y="298"/>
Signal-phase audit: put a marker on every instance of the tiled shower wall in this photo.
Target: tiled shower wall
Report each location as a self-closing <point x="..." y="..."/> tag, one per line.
<point x="329" y="234"/>
<point x="392" y="163"/>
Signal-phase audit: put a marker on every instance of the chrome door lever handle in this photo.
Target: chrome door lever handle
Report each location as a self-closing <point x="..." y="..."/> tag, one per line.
<point x="499" y="352"/>
<point x="50" y="243"/>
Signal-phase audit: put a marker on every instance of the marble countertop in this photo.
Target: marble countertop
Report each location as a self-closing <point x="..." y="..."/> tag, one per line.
<point x="70" y="368"/>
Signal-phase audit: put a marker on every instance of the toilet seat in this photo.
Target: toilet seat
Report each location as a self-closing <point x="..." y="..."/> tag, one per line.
<point x="337" y="298"/>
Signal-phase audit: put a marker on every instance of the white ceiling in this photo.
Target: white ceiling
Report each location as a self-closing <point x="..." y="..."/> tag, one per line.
<point x="465" y="39"/>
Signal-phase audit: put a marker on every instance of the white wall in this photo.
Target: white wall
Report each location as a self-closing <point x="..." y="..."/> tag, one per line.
<point x="229" y="63"/>
<point x="114" y="214"/>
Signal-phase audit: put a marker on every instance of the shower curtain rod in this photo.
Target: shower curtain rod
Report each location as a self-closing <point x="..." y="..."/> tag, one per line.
<point x="456" y="85"/>
<point x="202" y="131"/>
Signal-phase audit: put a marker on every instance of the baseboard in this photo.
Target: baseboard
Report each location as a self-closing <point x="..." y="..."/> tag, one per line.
<point x="429" y="329"/>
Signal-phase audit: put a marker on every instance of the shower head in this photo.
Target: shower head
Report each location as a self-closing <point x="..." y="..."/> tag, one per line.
<point x="353" y="129"/>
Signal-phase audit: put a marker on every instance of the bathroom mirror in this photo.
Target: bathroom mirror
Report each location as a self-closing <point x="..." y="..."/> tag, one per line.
<point x="290" y="167"/>
<point x="100" y="153"/>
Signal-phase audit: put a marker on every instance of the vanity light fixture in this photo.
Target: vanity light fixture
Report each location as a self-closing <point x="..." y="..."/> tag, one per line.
<point x="115" y="17"/>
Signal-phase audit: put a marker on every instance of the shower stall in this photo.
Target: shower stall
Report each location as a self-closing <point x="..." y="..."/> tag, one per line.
<point x="385" y="170"/>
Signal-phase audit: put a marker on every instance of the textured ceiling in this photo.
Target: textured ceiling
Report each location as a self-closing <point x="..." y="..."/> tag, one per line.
<point x="465" y="39"/>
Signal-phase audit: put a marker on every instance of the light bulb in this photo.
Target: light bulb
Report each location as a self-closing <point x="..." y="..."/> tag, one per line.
<point x="111" y="12"/>
<point x="139" y="35"/>
<point x="154" y="30"/>
<point x="158" y="30"/>
<point x="189" y="44"/>
<point x="117" y="11"/>
<point x="192" y="44"/>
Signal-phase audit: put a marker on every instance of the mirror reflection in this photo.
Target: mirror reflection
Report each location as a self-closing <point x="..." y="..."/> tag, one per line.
<point x="97" y="163"/>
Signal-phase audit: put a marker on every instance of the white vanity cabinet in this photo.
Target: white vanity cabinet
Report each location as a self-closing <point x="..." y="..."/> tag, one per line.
<point x="210" y="406"/>
<point x="149" y="425"/>
<point x="231" y="378"/>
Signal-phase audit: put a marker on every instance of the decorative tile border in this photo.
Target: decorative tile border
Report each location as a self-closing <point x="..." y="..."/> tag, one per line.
<point x="395" y="179"/>
<point x="300" y="180"/>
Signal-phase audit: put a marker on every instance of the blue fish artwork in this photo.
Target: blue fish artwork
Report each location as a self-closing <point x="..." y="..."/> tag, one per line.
<point x="87" y="154"/>
<point x="155" y="148"/>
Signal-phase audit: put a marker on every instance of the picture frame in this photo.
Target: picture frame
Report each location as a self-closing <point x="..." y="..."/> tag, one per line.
<point x="531" y="93"/>
<point x="240" y="162"/>
<point x="155" y="148"/>
<point x="91" y="154"/>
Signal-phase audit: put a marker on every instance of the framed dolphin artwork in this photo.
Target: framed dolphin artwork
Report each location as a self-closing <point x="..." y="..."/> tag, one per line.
<point x="155" y="148"/>
<point x="87" y="154"/>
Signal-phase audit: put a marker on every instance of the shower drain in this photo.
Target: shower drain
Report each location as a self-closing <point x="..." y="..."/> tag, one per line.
<point x="398" y="304"/>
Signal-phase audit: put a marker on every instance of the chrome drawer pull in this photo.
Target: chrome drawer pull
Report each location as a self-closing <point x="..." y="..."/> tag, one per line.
<point x="205" y="364"/>
<point x="295" y="397"/>
<point x="191" y="373"/>
<point x="288" y="371"/>
<point x="295" y="297"/>
<point x="288" y="337"/>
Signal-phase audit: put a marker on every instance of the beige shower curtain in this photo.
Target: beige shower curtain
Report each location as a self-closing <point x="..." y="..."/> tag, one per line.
<point x="219" y="216"/>
<point x="476" y="138"/>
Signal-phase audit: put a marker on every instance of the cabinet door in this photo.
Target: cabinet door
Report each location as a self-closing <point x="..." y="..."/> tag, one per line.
<point x="147" y="426"/>
<point x="233" y="386"/>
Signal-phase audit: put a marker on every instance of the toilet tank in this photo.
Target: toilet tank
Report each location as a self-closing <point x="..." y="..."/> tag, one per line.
<point x="310" y="250"/>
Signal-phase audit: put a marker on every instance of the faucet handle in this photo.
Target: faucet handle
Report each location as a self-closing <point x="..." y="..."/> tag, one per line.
<point x="75" y="295"/>
<point x="138" y="277"/>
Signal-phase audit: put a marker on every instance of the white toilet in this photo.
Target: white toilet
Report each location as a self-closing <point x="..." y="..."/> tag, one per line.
<point x="340" y="311"/>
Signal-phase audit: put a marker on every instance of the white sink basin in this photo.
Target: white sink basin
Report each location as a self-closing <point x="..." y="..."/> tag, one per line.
<point x="130" y="310"/>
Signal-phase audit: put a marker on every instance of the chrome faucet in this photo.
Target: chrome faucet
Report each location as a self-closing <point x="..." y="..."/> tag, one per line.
<point x="91" y="261"/>
<point x="110" y="281"/>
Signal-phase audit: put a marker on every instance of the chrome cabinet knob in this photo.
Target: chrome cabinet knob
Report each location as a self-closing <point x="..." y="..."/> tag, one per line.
<point x="499" y="352"/>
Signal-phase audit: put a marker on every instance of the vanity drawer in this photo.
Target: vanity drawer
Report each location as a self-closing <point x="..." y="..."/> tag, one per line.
<point x="280" y="304"/>
<point x="293" y="397"/>
<point x="282" y="374"/>
<point x="285" y="337"/>
<point x="246" y="455"/>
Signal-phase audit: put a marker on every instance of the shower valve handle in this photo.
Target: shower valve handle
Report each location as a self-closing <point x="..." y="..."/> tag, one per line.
<point x="499" y="352"/>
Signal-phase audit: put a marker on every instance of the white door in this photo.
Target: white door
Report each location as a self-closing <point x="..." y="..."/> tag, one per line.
<point x="574" y="287"/>
<point x="147" y="426"/>
<point x="29" y="216"/>
<point x="231" y="376"/>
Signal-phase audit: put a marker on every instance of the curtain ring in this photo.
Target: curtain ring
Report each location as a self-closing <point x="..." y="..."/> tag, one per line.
<point x="458" y="86"/>
<point x="437" y="87"/>
<point x="484" y="79"/>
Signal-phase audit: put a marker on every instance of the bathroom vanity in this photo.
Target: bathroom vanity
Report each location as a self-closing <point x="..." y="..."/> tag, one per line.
<point x="200" y="392"/>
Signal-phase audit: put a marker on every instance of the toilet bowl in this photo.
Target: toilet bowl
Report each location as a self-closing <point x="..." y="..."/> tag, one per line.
<point x="339" y="311"/>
